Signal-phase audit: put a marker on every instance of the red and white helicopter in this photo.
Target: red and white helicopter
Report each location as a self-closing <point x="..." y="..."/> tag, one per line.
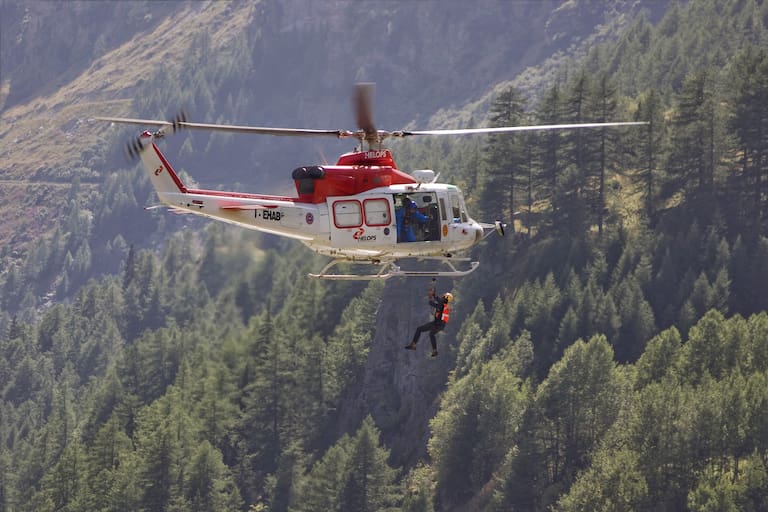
<point x="363" y="209"/>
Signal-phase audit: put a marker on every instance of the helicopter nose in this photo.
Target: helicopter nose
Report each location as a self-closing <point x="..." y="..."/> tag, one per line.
<point x="478" y="229"/>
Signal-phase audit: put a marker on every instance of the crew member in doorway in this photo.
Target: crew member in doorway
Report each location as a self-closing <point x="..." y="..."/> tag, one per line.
<point x="405" y="216"/>
<point x="442" y="313"/>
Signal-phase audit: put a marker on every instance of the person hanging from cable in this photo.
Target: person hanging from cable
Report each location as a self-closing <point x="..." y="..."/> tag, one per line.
<point x="437" y="324"/>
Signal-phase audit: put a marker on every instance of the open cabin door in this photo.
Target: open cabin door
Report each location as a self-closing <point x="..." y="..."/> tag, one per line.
<point x="421" y="222"/>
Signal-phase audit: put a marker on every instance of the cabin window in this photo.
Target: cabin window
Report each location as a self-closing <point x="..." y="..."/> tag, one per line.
<point x="377" y="212"/>
<point x="347" y="214"/>
<point x="443" y="215"/>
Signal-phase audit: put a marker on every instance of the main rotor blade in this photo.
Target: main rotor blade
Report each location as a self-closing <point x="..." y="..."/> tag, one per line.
<point x="502" y="129"/>
<point x="362" y="101"/>
<point x="125" y="120"/>
<point x="293" y="132"/>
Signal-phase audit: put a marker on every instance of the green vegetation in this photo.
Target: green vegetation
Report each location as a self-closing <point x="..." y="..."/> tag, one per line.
<point x="609" y="354"/>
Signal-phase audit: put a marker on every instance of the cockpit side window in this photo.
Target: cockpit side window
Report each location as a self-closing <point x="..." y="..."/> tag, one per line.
<point x="463" y="211"/>
<point x="456" y="208"/>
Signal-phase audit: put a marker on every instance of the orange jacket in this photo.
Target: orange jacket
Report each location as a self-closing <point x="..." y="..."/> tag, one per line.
<point x="442" y="311"/>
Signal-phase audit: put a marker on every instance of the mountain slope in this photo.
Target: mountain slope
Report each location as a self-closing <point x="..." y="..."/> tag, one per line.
<point x="597" y="369"/>
<point x="286" y="65"/>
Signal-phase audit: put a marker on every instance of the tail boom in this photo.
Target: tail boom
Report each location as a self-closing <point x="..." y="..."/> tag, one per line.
<point x="279" y="215"/>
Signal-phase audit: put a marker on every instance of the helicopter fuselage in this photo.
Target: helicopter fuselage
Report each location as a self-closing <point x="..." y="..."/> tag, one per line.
<point x="361" y="209"/>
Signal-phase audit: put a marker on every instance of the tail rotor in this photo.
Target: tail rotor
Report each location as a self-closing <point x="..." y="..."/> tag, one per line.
<point x="133" y="148"/>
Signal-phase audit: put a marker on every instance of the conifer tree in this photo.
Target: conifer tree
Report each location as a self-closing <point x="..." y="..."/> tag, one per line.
<point x="695" y="147"/>
<point x="505" y="157"/>
<point x="550" y="157"/>
<point x="268" y="420"/>
<point x="579" y="401"/>
<point x="352" y="475"/>
<point x="749" y="123"/>
<point x="580" y="156"/>
<point x="369" y="484"/>
<point x="347" y="348"/>
<point x="605" y="108"/>
<point x="321" y="488"/>
<point x="208" y="485"/>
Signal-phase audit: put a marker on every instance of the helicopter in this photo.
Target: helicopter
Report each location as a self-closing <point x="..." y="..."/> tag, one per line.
<point x="362" y="210"/>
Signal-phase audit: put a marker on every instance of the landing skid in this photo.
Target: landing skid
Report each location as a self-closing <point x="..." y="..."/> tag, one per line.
<point x="390" y="269"/>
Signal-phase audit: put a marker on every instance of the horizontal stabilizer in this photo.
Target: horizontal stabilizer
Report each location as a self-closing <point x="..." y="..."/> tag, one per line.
<point x="172" y="209"/>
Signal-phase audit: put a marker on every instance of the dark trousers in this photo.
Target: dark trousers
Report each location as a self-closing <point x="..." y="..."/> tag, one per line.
<point x="433" y="328"/>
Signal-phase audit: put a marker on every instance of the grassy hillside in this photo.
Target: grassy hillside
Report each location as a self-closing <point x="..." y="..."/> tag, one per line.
<point x="51" y="139"/>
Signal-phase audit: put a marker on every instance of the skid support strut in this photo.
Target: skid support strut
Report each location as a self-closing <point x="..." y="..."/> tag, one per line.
<point x="391" y="269"/>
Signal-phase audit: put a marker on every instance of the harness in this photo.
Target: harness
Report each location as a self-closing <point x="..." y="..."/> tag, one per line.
<point x="408" y="215"/>
<point x="443" y="315"/>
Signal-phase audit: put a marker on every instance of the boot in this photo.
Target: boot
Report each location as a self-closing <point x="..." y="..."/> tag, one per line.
<point x="410" y="346"/>
<point x="434" y="352"/>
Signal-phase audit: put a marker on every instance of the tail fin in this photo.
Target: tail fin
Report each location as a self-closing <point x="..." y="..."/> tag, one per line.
<point x="160" y="172"/>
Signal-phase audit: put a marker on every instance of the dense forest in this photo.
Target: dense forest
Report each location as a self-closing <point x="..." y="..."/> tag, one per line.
<point x="610" y="353"/>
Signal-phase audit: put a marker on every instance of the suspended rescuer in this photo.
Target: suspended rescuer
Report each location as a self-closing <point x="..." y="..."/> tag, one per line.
<point x="442" y="313"/>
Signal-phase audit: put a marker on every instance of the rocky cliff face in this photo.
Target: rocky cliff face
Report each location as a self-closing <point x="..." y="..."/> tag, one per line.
<point x="401" y="388"/>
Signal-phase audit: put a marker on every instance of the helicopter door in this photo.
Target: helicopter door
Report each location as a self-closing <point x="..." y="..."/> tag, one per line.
<point x="362" y="223"/>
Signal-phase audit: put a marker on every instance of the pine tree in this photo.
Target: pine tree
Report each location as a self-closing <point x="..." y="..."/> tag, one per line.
<point x="580" y="156"/>
<point x="694" y="153"/>
<point x="505" y="157"/>
<point x="475" y="427"/>
<point x="579" y="401"/>
<point x="369" y="484"/>
<point x="353" y="474"/>
<point x="260" y="425"/>
<point x="156" y="448"/>
<point x="129" y="272"/>
<point x="749" y="123"/>
<point x="550" y="158"/>
<point x="613" y="478"/>
<point x="209" y="487"/>
<point x="658" y="358"/>
<point x="347" y="348"/>
<point x="605" y="99"/>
